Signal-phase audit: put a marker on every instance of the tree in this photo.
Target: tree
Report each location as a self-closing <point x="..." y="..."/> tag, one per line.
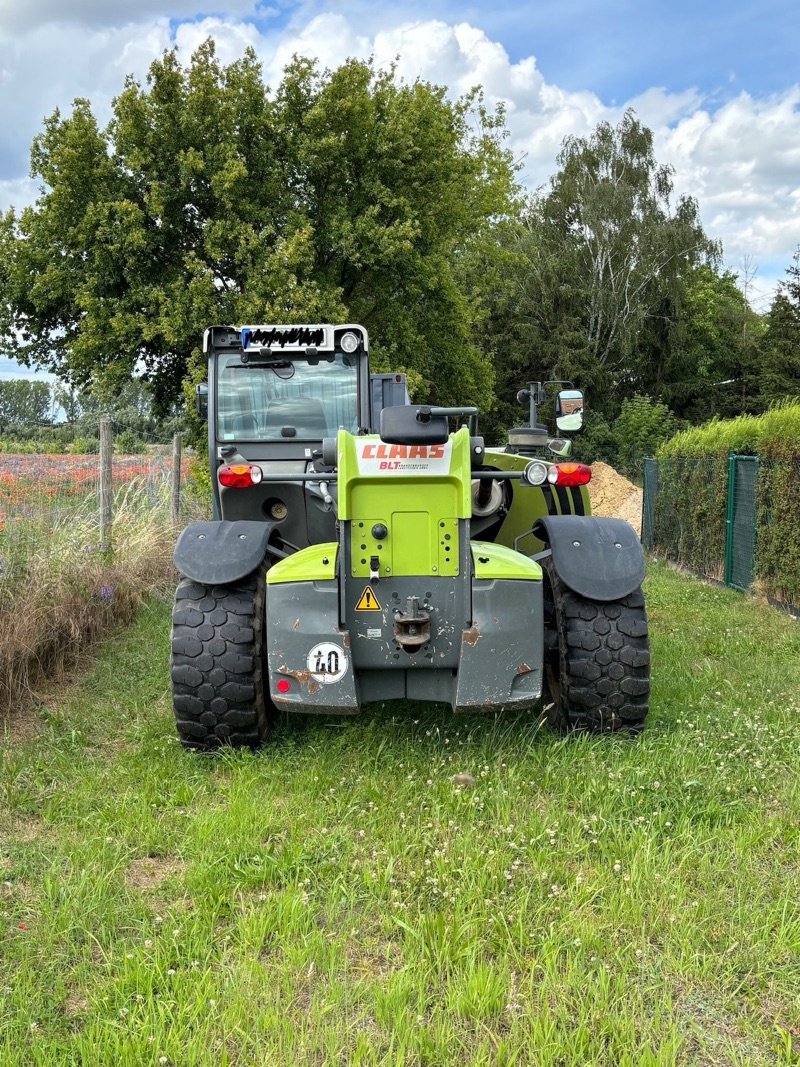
<point x="629" y="244"/>
<point x="66" y="401"/>
<point x="604" y="255"/>
<point x="342" y="196"/>
<point x="641" y="426"/>
<point x="24" y="403"/>
<point x="780" y="345"/>
<point x="709" y="364"/>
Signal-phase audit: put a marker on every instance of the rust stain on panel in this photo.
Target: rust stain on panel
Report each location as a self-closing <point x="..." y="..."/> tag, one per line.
<point x="472" y="636"/>
<point x="305" y="678"/>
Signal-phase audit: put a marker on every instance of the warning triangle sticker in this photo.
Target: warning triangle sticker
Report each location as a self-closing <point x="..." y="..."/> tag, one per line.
<point x="368" y="601"/>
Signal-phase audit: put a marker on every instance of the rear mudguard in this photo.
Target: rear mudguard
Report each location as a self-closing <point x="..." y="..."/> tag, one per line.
<point x="220" y="552"/>
<point x="600" y="559"/>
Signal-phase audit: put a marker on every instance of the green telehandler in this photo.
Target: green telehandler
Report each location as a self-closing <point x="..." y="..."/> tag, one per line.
<point x="363" y="548"/>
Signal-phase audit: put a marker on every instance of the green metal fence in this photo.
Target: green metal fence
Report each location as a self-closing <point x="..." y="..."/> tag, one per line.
<point x="649" y="495"/>
<point x="709" y="530"/>
<point x="740" y="521"/>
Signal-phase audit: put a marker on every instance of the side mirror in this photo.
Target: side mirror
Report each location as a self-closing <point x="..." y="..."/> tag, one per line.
<point x="559" y="446"/>
<point x="569" y="410"/>
<point x="201" y="399"/>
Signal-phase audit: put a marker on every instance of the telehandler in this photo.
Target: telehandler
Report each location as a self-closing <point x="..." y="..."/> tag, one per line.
<point x="363" y="548"/>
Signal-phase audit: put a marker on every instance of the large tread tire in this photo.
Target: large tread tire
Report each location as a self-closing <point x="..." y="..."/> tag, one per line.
<point x="218" y="664"/>
<point x="597" y="663"/>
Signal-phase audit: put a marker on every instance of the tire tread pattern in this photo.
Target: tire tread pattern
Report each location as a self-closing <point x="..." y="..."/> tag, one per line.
<point x="217" y="664"/>
<point x="603" y="659"/>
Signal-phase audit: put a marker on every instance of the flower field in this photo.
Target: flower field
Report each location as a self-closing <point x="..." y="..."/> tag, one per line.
<point x="34" y="486"/>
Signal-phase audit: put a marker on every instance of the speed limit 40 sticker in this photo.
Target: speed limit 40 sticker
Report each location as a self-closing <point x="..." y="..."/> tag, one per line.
<point x="327" y="662"/>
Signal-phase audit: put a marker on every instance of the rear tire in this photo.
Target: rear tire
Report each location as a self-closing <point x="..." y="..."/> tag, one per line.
<point x="597" y="661"/>
<point x="218" y="664"/>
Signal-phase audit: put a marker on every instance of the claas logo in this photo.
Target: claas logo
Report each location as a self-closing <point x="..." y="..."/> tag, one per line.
<point x="377" y="456"/>
<point x="376" y="451"/>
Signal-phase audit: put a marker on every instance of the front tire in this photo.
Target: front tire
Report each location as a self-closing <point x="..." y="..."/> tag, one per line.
<point x="218" y="664"/>
<point x="597" y="660"/>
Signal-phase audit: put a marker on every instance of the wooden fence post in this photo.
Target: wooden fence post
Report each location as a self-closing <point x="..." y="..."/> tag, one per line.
<point x="106" y="483"/>
<point x="177" y="445"/>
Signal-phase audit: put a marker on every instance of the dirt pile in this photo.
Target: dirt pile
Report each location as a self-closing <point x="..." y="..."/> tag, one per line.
<point x="613" y="495"/>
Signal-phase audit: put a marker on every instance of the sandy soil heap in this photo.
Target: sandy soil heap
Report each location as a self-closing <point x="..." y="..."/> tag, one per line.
<point x="613" y="495"/>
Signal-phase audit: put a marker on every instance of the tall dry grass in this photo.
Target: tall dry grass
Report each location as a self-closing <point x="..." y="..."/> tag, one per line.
<point x="60" y="590"/>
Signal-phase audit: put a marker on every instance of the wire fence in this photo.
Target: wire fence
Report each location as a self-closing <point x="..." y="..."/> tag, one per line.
<point x="57" y="506"/>
<point x="83" y="539"/>
<point x="730" y="518"/>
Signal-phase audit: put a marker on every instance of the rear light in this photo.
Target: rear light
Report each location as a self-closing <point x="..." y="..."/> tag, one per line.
<point x="240" y="475"/>
<point x="569" y="474"/>
<point x="284" y="685"/>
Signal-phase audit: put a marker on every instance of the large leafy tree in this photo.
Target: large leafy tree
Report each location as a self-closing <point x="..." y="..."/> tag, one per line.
<point x="603" y="257"/>
<point x="702" y="359"/>
<point x="343" y="195"/>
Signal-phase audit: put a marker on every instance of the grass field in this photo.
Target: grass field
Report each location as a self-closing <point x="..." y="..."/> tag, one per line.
<point x="337" y="899"/>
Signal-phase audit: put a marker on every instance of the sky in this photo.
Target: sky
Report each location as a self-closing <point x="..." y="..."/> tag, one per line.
<point x="719" y="83"/>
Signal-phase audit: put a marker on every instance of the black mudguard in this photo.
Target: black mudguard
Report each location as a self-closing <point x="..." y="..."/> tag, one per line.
<point x="217" y="553"/>
<point x="600" y="559"/>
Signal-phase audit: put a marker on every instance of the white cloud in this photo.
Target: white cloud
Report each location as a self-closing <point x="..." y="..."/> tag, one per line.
<point x="231" y="38"/>
<point x="328" y="38"/>
<point x="17" y="192"/>
<point x="740" y="159"/>
<point x="742" y="163"/>
<point x="50" y="65"/>
<point x="16" y="15"/>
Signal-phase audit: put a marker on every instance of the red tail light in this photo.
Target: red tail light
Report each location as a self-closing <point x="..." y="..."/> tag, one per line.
<point x="569" y="474"/>
<point x="239" y="475"/>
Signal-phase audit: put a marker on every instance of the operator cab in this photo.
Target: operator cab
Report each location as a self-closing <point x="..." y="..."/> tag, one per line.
<point x="289" y="386"/>
<point x="268" y="393"/>
<point x="274" y="393"/>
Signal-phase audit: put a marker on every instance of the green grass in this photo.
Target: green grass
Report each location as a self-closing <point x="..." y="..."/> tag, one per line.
<point x="336" y="899"/>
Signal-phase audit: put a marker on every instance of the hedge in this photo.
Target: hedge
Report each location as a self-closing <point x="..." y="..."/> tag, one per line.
<point x="691" y="506"/>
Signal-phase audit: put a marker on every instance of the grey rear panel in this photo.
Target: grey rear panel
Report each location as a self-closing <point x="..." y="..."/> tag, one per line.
<point x="501" y="654"/>
<point x="301" y="618"/>
<point x="489" y="657"/>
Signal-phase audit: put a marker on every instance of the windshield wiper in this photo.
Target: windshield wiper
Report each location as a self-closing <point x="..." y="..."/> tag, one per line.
<point x="263" y="359"/>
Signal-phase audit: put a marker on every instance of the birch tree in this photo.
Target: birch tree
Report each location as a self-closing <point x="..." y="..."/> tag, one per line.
<point x="633" y="244"/>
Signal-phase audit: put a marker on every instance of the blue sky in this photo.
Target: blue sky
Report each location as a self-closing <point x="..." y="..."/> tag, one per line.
<point x="617" y="48"/>
<point x="621" y="48"/>
<point x="718" y="83"/>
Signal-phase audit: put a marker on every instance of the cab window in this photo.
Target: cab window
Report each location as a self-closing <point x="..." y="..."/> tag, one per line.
<point x="293" y="399"/>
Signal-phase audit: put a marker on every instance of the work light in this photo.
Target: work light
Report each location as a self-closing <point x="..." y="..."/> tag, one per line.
<point x="350" y="342"/>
